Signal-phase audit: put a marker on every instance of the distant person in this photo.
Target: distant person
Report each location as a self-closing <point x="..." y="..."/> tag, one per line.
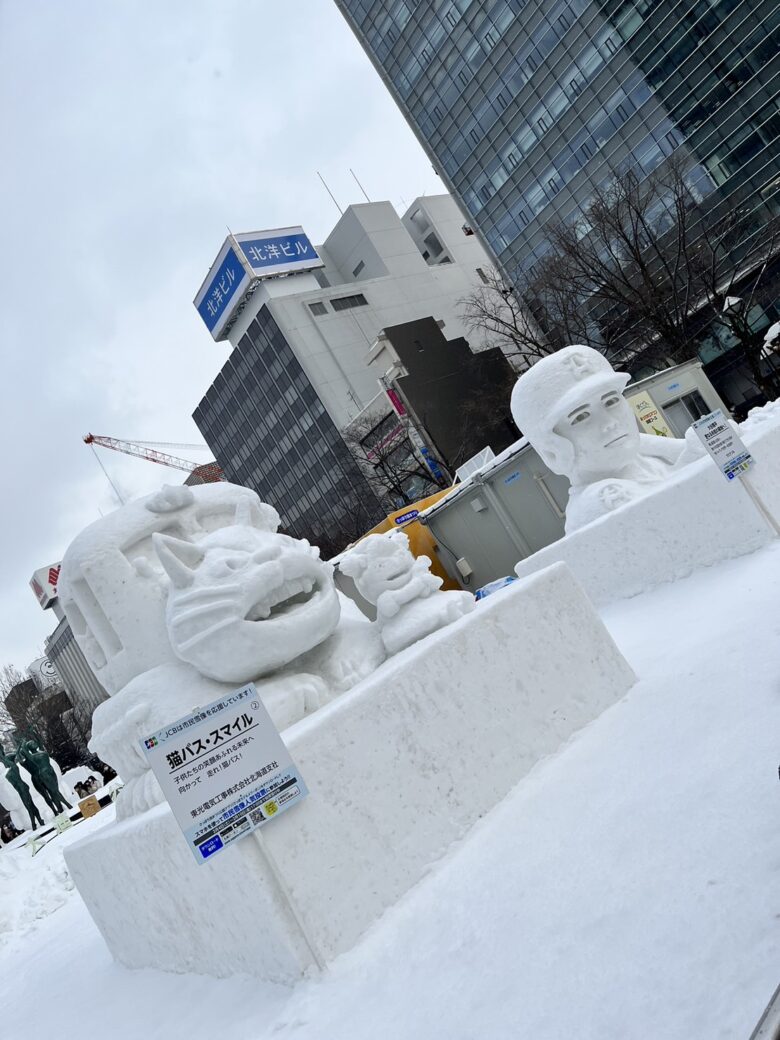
<point x="105" y="771"/>
<point x="8" y="832"/>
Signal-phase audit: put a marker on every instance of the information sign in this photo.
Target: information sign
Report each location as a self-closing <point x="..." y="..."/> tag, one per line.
<point x="406" y="517"/>
<point x="89" y="806"/>
<point x="279" y="252"/>
<point x="720" y="439"/>
<point x="62" y="822"/>
<point x="223" y="290"/>
<point x="224" y="770"/>
<point x="649" y="415"/>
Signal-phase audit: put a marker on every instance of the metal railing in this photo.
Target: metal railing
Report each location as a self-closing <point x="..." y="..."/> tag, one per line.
<point x="768" y="1027"/>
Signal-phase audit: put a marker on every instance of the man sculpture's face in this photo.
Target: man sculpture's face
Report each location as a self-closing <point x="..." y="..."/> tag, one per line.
<point x="604" y="435"/>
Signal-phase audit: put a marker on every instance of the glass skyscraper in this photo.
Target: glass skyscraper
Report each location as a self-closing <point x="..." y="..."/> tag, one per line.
<point x="526" y="106"/>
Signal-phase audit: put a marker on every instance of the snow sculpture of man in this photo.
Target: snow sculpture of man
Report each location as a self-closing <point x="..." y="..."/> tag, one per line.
<point x="570" y="406"/>
<point x="191" y="592"/>
<point x="407" y="597"/>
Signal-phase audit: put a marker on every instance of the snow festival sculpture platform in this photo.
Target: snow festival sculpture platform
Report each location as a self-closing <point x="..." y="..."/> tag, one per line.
<point x="191" y="592"/>
<point x="642" y="510"/>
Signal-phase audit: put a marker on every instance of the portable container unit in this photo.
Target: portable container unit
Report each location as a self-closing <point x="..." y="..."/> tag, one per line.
<point x="501" y="514"/>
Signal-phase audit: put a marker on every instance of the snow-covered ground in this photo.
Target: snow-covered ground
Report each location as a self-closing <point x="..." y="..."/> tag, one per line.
<point x="628" y="888"/>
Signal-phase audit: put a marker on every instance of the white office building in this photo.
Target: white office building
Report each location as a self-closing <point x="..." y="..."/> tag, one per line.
<point x="301" y="322"/>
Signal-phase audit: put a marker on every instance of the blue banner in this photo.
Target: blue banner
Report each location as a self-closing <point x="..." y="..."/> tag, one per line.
<point x="216" y="302"/>
<point x="264" y="254"/>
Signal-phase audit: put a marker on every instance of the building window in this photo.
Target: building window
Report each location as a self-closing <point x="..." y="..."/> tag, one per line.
<point x="318" y="308"/>
<point x="482" y="276"/>
<point x="345" y="303"/>
<point x="358" y="269"/>
<point x="433" y="244"/>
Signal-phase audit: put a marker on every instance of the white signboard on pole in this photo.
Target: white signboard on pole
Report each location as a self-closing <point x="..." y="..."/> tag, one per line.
<point x="722" y="442"/>
<point x="224" y="770"/>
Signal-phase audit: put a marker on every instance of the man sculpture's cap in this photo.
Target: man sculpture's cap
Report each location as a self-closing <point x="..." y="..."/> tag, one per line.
<point x="557" y="384"/>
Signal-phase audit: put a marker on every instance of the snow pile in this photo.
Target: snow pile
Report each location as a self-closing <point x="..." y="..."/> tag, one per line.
<point x="34" y="887"/>
<point x="30" y="891"/>
<point x="628" y="888"/>
<point x="397" y="769"/>
<point x="79" y="775"/>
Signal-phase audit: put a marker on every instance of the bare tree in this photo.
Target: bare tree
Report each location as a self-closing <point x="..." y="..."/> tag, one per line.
<point x="387" y="459"/>
<point x="642" y="275"/>
<point x="40" y="718"/>
<point x="500" y="314"/>
<point x="10" y="676"/>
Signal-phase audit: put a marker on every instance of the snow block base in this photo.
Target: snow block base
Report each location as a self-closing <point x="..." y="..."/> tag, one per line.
<point x="398" y="769"/>
<point x="695" y="519"/>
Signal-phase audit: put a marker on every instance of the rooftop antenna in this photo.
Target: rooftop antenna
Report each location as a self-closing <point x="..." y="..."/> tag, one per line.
<point x="359" y="184"/>
<point x="330" y="193"/>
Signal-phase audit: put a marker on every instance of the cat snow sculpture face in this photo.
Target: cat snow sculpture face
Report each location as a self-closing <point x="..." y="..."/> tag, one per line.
<point x="244" y="602"/>
<point x="379" y="563"/>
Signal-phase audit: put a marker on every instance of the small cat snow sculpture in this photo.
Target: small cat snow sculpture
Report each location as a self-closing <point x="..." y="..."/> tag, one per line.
<point x="407" y="597"/>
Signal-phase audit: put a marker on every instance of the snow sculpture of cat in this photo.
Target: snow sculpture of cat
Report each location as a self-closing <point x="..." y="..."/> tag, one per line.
<point x="570" y="406"/>
<point x="187" y="593"/>
<point x="408" y="601"/>
<point x="244" y="600"/>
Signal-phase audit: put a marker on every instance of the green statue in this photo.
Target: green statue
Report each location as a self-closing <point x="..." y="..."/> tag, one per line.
<point x="14" y="778"/>
<point x="43" y="776"/>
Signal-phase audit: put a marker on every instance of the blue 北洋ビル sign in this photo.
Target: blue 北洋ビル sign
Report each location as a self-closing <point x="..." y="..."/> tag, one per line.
<point x="278" y="252"/>
<point x="221" y="294"/>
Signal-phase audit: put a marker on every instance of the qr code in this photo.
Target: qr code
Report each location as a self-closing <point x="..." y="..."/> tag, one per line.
<point x="257" y="816"/>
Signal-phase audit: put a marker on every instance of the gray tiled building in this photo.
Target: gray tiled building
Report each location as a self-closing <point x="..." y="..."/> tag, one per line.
<point x="81" y="685"/>
<point x="524" y="106"/>
<point x="270" y="431"/>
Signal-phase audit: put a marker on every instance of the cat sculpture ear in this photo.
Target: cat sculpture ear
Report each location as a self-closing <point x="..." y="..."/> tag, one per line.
<point x="353" y="564"/>
<point x="251" y="513"/>
<point x="179" y="558"/>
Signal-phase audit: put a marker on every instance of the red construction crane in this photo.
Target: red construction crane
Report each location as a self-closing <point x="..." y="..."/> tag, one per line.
<point x="208" y="473"/>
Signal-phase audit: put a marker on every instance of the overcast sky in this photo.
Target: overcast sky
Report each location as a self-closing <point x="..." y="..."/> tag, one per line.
<point x="133" y="133"/>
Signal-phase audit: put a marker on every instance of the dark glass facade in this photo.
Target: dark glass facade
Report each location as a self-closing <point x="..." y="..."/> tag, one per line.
<point x="525" y="107"/>
<point x="269" y="431"/>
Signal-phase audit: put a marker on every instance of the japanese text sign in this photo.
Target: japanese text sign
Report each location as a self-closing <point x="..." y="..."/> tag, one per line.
<point x="721" y="441"/>
<point x="224" y="770"/>
<point x="649" y="416"/>
<point x="278" y="252"/>
<point x="242" y="262"/>
<point x="222" y="291"/>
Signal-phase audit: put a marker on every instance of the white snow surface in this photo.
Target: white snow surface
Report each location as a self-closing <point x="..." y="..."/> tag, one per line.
<point x="629" y="887"/>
